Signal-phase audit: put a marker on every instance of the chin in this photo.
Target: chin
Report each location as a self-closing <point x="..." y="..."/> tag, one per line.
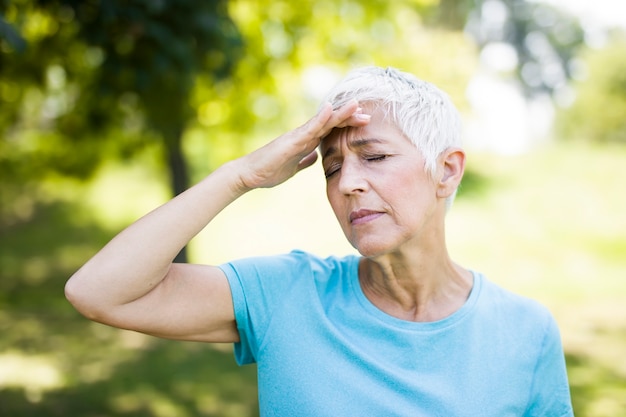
<point x="371" y="249"/>
<point x="373" y="246"/>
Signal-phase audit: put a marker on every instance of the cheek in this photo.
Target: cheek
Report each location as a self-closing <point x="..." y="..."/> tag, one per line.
<point x="334" y="201"/>
<point x="411" y="192"/>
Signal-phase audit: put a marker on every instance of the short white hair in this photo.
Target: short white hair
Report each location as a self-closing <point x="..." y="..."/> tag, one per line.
<point x="423" y="112"/>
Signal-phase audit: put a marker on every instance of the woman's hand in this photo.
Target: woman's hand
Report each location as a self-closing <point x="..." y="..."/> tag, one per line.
<point x="293" y="151"/>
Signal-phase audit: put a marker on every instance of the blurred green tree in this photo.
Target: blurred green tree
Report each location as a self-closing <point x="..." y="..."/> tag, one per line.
<point x="598" y="111"/>
<point x="94" y="68"/>
<point x="72" y="71"/>
<point x="80" y="80"/>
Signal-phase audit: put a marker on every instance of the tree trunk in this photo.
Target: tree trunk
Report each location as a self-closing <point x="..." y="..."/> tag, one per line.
<point x="178" y="170"/>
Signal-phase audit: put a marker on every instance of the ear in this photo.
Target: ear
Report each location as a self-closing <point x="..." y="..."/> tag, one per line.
<point x="453" y="162"/>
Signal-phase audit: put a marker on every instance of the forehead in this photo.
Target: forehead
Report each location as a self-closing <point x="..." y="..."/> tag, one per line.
<point x="379" y="131"/>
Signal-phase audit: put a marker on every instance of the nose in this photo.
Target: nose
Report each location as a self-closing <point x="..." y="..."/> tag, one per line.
<point x="352" y="179"/>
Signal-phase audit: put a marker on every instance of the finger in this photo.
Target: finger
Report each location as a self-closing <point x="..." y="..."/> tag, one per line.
<point x="322" y="117"/>
<point x="355" y="120"/>
<point x="317" y="122"/>
<point x="307" y="161"/>
<point x="346" y="111"/>
<point x="339" y="116"/>
<point x="327" y="118"/>
<point x="349" y="115"/>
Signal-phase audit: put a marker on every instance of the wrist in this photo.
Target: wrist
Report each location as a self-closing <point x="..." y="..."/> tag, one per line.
<point x="233" y="173"/>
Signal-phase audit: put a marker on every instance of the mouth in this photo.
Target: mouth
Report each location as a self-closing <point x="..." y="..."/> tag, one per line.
<point x="364" y="216"/>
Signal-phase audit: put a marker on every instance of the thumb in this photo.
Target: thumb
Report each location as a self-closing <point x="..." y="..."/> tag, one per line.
<point x="307" y="161"/>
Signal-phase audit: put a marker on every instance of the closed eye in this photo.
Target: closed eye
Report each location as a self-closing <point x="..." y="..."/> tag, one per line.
<point x="332" y="170"/>
<point x="376" y="157"/>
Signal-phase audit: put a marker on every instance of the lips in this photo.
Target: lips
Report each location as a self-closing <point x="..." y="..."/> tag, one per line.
<point x="364" y="216"/>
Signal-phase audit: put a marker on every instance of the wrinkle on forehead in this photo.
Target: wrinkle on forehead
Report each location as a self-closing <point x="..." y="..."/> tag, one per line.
<point x="380" y="119"/>
<point x="378" y="131"/>
<point x="354" y="143"/>
<point x="350" y="131"/>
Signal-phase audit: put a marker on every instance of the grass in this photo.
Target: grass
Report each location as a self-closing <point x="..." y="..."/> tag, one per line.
<point x="549" y="224"/>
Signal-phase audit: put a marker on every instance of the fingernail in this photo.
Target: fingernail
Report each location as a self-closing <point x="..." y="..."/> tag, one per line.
<point x="362" y="116"/>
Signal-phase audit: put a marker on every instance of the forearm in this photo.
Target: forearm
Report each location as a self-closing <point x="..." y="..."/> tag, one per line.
<point x="132" y="275"/>
<point x="139" y="257"/>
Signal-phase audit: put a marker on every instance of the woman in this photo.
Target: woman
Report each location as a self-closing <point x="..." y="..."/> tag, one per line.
<point x="400" y="330"/>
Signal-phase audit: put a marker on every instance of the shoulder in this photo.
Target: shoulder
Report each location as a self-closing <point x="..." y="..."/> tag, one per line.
<point x="514" y="310"/>
<point x="502" y="298"/>
<point x="528" y="327"/>
<point x="296" y="263"/>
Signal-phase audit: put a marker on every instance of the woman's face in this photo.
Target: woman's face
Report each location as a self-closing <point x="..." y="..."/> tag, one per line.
<point x="378" y="188"/>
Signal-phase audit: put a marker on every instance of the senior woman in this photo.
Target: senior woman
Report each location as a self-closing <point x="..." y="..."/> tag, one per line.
<point x="399" y="330"/>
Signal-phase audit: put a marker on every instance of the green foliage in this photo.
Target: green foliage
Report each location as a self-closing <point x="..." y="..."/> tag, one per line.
<point x="105" y="78"/>
<point x="156" y="49"/>
<point x="598" y="112"/>
<point x="12" y="39"/>
<point x="35" y="93"/>
<point x="102" y="79"/>
<point x="296" y="50"/>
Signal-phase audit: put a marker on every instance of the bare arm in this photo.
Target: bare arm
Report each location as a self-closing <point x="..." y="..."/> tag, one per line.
<point x="133" y="284"/>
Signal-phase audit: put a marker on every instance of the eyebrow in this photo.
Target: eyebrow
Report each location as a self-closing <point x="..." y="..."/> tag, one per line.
<point x="357" y="143"/>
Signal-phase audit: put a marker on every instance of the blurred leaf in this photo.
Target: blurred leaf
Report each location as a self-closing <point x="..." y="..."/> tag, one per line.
<point x="11" y="36"/>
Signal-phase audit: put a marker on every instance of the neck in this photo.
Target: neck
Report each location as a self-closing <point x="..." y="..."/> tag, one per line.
<point x="420" y="288"/>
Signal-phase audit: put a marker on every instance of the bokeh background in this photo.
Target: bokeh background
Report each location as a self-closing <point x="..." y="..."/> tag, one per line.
<point x="108" y="108"/>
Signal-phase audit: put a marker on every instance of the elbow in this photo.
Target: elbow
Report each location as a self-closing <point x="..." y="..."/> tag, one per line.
<point x="80" y="298"/>
<point x="72" y="294"/>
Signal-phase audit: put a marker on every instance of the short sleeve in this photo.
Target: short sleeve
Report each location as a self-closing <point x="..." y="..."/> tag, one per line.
<point x="258" y="286"/>
<point x="243" y="349"/>
<point x="550" y="394"/>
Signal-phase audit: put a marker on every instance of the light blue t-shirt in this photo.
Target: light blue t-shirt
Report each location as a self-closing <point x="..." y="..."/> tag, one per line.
<point x="323" y="349"/>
